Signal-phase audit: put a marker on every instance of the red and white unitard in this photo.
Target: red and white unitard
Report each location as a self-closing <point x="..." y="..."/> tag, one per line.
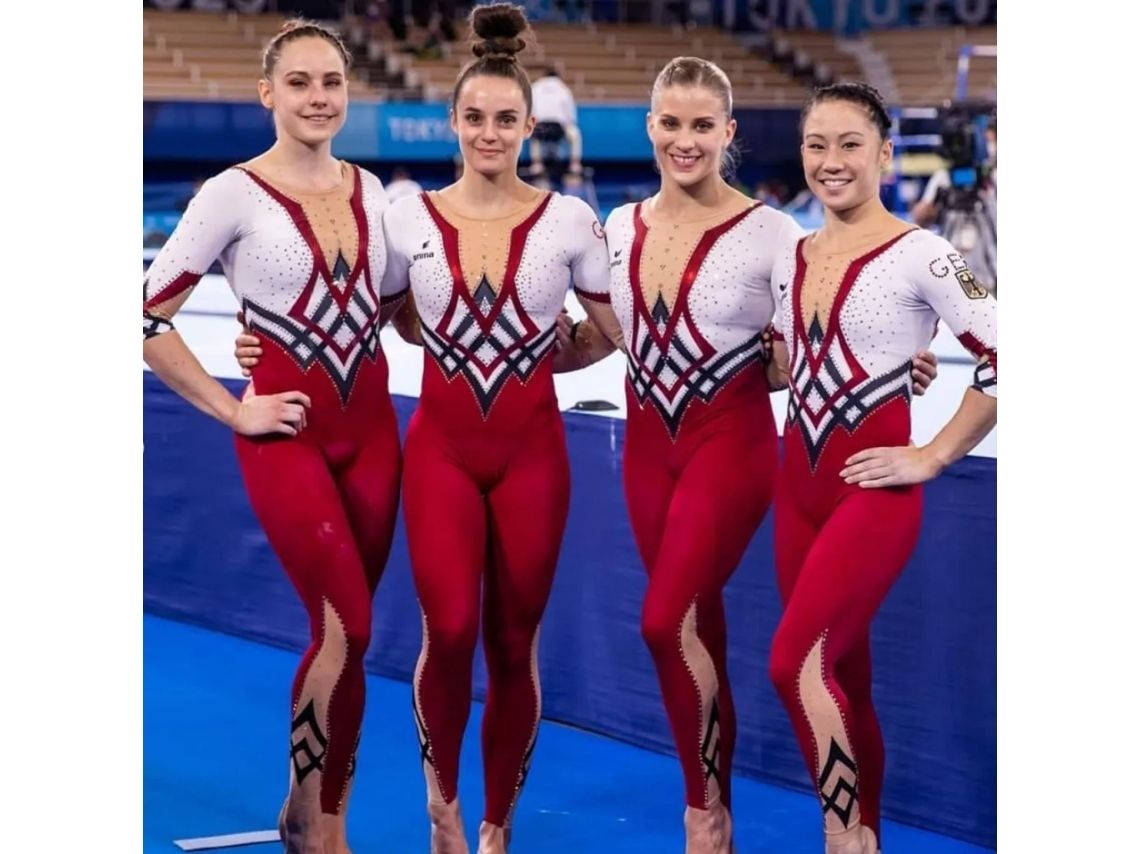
<point x="693" y="300"/>
<point x="852" y="323"/>
<point x="307" y="270"/>
<point x="487" y="488"/>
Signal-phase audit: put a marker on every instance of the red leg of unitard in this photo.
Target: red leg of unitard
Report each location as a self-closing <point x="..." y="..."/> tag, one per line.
<point x="853" y="673"/>
<point x="794" y="537"/>
<point x="692" y="529"/>
<point x="528" y="510"/>
<point x="446" y="520"/>
<point x="504" y="530"/>
<point x="833" y="579"/>
<point x="370" y="489"/>
<point x="314" y="518"/>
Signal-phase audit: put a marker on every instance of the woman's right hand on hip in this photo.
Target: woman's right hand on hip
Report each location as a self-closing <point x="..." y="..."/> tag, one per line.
<point x="261" y="414"/>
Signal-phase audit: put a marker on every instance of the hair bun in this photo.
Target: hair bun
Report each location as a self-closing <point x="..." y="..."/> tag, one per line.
<point x="497" y="28"/>
<point x="498" y="47"/>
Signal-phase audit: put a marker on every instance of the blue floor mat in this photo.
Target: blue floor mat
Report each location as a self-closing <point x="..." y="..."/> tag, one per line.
<point x="216" y="721"/>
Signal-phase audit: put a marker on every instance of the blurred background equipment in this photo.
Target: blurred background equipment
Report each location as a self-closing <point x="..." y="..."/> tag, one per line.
<point x="201" y="110"/>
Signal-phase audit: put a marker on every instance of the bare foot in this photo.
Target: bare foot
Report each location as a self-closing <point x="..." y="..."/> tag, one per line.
<point x="855" y="840"/>
<point x="492" y="839"/>
<point x="708" y="831"/>
<point x="334" y="834"/>
<point x="301" y="829"/>
<point x="447" y="835"/>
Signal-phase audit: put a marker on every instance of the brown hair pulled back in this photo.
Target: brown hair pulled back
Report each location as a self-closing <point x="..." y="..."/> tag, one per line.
<point x="299" y="28"/>
<point x="495" y="42"/>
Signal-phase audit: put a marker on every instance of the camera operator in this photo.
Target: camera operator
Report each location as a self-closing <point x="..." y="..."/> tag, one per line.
<point x="961" y="199"/>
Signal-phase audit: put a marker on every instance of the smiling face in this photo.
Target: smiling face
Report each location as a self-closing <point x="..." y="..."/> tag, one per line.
<point x="307" y="91"/>
<point x="844" y="154"/>
<point x="491" y="119"/>
<point x="690" y="130"/>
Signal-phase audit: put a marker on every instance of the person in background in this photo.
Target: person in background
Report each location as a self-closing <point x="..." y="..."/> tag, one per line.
<point x="401" y="185"/>
<point x="556" y="121"/>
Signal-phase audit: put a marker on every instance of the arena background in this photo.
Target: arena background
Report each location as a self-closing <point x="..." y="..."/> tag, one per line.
<point x="206" y="562"/>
